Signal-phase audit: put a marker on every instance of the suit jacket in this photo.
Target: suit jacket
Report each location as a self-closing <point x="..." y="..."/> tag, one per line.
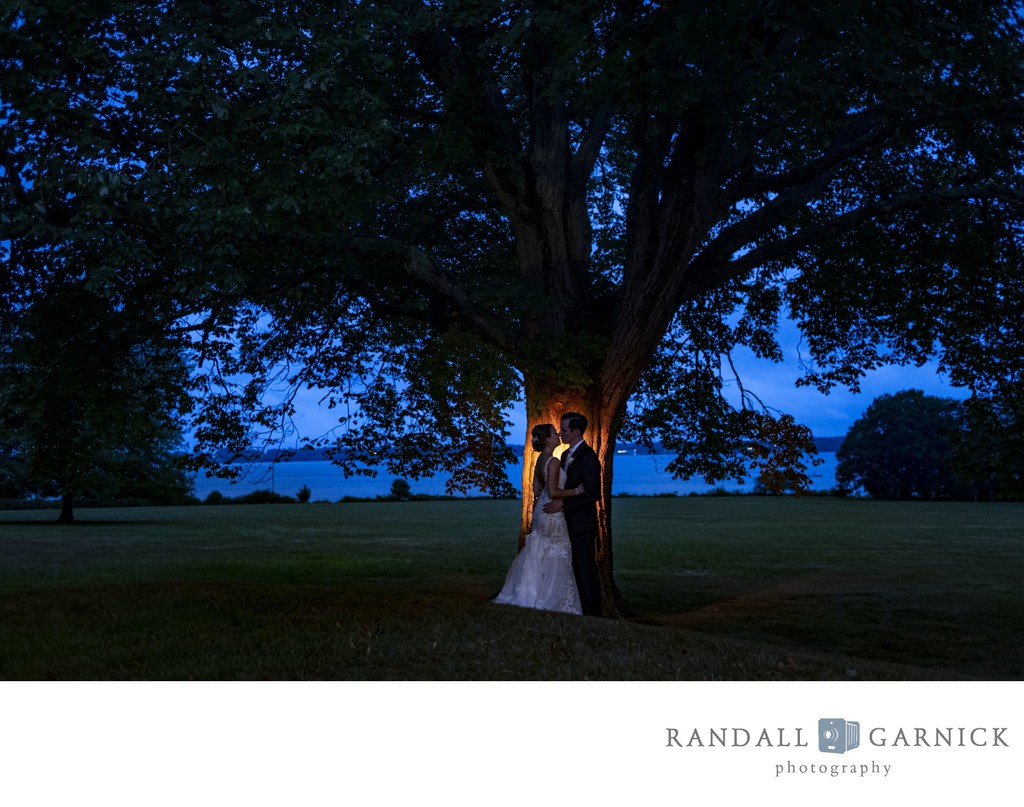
<point x="585" y="469"/>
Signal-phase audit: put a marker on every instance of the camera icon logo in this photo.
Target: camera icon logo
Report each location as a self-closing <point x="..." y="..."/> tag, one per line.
<point x="837" y="736"/>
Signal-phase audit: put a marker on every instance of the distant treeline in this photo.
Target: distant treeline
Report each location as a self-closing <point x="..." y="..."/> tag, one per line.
<point x="828" y="445"/>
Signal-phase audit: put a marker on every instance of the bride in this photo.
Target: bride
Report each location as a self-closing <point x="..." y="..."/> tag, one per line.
<point x="541" y="575"/>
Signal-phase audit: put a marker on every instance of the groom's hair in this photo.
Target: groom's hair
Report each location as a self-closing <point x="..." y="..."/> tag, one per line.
<point x="577" y="421"/>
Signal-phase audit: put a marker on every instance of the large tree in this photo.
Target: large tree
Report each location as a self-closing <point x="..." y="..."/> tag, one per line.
<point x="427" y="209"/>
<point x="90" y="406"/>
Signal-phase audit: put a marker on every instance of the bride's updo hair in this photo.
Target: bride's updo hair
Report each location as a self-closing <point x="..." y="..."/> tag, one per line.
<point x="540" y="435"/>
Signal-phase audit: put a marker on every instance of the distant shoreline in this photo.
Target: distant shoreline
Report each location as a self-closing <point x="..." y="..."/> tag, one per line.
<point x="825" y="445"/>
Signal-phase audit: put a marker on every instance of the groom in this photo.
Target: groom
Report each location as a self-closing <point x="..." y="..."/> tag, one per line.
<point x="581" y="466"/>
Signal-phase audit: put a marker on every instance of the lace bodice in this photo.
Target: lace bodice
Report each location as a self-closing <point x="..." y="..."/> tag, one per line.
<point x="552" y="463"/>
<point x="550" y="526"/>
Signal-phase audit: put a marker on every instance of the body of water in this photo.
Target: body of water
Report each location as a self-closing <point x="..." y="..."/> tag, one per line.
<point x="638" y="475"/>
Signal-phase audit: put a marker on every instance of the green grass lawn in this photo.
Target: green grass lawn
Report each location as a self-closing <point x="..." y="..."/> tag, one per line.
<point x="729" y="588"/>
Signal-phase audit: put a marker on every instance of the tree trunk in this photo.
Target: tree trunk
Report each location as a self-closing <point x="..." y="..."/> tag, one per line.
<point x="603" y="424"/>
<point x="67" y="513"/>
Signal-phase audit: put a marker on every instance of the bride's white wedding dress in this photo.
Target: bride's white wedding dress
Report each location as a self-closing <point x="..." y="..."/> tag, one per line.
<point x="541" y="574"/>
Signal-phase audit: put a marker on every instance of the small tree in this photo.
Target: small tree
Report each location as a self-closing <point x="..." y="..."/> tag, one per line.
<point x="401" y="490"/>
<point x="900" y="448"/>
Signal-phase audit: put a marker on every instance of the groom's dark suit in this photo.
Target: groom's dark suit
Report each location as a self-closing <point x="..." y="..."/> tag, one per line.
<point x="581" y="519"/>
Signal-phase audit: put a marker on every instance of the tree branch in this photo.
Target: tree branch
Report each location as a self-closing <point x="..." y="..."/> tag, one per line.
<point x="493" y="131"/>
<point x="589" y="149"/>
<point x="440" y="284"/>
<point x="712" y="271"/>
<point x="863" y="130"/>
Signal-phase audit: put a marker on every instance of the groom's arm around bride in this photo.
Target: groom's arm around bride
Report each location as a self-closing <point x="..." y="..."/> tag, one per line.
<point x="582" y="467"/>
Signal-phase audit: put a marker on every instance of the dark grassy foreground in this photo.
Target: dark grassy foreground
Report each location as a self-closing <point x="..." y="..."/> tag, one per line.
<point x="721" y="588"/>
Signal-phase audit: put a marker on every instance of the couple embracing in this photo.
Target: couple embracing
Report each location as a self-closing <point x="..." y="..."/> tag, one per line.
<point x="556" y="569"/>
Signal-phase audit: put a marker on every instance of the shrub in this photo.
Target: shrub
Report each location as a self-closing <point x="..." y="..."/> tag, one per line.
<point x="264" y="497"/>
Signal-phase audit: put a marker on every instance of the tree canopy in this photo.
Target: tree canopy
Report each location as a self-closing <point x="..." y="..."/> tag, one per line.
<point x="429" y="209"/>
<point x="901" y="447"/>
<point x="909" y="445"/>
<point x="88" y="406"/>
<point x="988" y="449"/>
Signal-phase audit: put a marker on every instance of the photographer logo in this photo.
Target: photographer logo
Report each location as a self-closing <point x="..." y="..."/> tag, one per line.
<point x="837" y="736"/>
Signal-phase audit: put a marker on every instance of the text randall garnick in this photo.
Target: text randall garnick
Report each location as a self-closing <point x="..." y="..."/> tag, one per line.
<point x="951" y="737"/>
<point x="737" y="738"/>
